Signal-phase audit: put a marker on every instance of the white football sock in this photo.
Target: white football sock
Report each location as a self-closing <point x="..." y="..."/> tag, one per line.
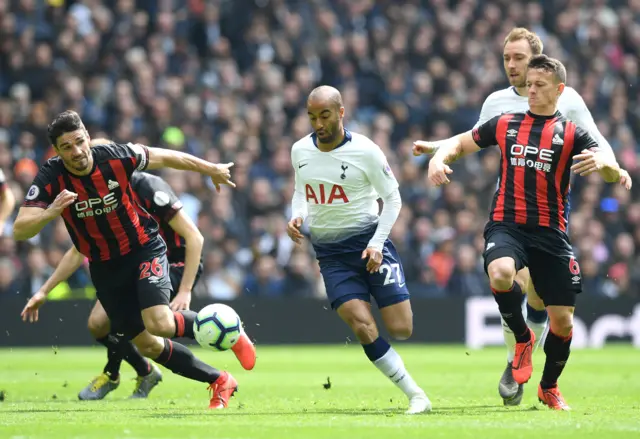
<point x="509" y="341"/>
<point x="539" y="330"/>
<point x="392" y="366"/>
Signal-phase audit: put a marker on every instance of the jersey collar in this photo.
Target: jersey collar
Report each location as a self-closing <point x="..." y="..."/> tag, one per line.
<point x="347" y="138"/>
<point x="538" y="116"/>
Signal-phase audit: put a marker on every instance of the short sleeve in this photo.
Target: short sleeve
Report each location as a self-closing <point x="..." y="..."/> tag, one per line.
<point x="40" y="193"/>
<point x="485" y="134"/>
<point x="583" y="140"/>
<point x="158" y="195"/>
<point x="379" y="172"/>
<point x="136" y="153"/>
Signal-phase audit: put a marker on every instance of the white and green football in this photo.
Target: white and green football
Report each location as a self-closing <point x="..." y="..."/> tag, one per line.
<point x="217" y="326"/>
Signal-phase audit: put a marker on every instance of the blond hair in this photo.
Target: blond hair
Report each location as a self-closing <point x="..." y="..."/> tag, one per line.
<point x="521" y="33"/>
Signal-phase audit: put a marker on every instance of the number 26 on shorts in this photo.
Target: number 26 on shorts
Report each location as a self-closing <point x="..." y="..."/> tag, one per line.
<point x="155" y="267"/>
<point x="392" y="274"/>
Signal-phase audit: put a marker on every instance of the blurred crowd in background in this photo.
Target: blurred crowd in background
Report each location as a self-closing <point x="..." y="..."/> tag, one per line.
<point x="227" y="80"/>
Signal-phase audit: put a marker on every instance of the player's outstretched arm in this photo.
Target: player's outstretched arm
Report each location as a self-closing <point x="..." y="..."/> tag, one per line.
<point x="194" y="242"/>
<point x="448" y="151"/>
<point x="70" y="262"/>
<point x="31" y="220"/>
<point x="588" y="158"/>
<point x="164" y="158"/>
<point x="7" y="204"/>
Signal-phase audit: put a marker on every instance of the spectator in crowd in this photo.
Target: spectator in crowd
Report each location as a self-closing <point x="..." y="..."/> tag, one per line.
<point x="227" y="79"/>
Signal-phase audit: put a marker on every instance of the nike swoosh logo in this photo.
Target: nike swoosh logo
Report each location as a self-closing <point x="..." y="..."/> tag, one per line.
<point x="402" y="284"/>
<point x="302" y="166"/>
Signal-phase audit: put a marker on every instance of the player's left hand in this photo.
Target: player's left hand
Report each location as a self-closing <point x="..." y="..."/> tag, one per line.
<point x="30" y="311"/>
<point x="222" y="175"/>
<point x="375" y="259"/>
<point x="181" y="301"/>
<point x="438" y="171"/>
<point x="625" y="179"/>
<point x="421" y="147"/>
<point x="590" y="161"/>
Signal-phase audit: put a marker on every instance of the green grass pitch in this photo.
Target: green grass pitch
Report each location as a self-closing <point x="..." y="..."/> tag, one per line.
<point x="284" y="397"/>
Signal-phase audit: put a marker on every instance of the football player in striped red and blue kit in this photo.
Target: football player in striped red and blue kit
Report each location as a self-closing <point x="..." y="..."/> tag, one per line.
<point x="90" y="187"/>
<point x="339" y="177"/>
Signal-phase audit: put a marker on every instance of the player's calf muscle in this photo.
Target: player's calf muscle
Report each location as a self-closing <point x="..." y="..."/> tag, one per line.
<point x="398" y="319"/>
<point x="502" y="273"/>
<point x="357" y="315"/>
<point x="149" y="345"/>
<point x="158" y="320"/>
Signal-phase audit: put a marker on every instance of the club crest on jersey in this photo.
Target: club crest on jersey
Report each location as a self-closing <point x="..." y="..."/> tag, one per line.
<point x="344" y="168"/>
<point x="33" y="192"/>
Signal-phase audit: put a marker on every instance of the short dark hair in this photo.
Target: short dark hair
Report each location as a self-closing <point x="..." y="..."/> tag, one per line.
<point x="64" y="122"/>
<point x="551" y="65"/>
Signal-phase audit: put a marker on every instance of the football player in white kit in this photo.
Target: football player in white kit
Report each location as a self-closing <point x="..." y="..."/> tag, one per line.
<point x="519" y="46"/>
<point x="339" y="176"/>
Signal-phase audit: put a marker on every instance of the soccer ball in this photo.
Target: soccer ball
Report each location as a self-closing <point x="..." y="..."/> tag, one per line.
<point x="217" y="326"/>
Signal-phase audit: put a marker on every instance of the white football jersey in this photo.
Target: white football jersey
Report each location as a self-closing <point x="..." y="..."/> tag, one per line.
<point x="570" y="104"/>
<point x="341" y="188"/>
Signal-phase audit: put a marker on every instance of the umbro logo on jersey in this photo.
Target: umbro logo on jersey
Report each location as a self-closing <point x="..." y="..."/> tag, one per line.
<point x="557" y="140"/>
<point x="512" y="133"/>
<point x="112" y="185"/>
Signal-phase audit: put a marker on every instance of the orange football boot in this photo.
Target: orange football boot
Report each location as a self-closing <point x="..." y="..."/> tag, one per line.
<point x="245" y="351"/>
<point x="522" y="364"/>
<point x="552" y="398"/>
<point x="222" y="390"/>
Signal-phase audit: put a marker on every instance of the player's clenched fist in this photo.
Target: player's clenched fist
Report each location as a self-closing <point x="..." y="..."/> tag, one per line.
<point x="293" y="230"/>
<point x="438" y="172"/>
<point x="222" y="175"/>
<point x="62" y="201"/>
<point x="421" y="147"/>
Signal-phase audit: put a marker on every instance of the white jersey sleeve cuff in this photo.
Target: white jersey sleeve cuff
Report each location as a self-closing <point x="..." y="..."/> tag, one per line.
<point x="298" y="206"/>
<point x="390" y="212"/>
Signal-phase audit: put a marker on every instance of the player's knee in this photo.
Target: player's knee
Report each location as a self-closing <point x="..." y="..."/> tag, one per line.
<point x="401" y="330"/>
<point x="561" y="323"/>
<point x="161" y="325"/>
<point x="502" y="273"/>
<point x="98" y="325"/>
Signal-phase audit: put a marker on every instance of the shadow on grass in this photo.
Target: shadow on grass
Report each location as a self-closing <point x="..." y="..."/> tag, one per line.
<point x="442" y="411"/>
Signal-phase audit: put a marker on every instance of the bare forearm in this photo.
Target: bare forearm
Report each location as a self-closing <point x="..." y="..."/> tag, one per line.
<point x="449" y="150"/>
<point x="70" y="262"/>
<point x="164" y="158"/>
<point x="7" y="205"/>
<point x="194" y="243"/>
<point x="27" y="226"/>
